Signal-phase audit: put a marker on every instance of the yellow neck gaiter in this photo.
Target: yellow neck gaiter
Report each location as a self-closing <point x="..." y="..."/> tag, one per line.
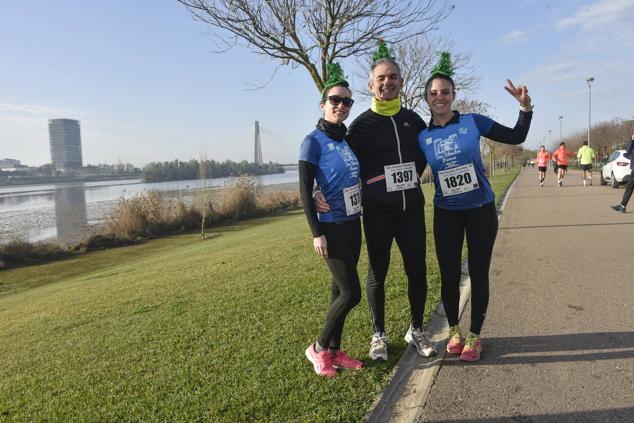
<point x="386" y="108"/>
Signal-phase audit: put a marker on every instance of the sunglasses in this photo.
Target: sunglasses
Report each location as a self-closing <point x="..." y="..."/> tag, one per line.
<point x="335" y="100"/>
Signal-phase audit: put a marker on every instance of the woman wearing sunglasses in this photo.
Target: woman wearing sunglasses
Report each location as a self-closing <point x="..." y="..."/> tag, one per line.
<point x="326" y="157"/>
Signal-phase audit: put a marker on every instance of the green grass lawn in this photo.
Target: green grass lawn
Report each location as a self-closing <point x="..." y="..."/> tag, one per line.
<point x="178" y="329"/>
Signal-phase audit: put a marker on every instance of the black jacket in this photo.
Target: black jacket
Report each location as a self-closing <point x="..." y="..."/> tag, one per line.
<point x="629" y="152"/>
<point x="378" y="141"/>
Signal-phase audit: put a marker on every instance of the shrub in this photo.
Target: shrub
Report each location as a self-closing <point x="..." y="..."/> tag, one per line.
<point x="18" y="253"/>
<point x="279" y="201"/>
<point x="239" y="199"/>
<point x="154" y="214"/>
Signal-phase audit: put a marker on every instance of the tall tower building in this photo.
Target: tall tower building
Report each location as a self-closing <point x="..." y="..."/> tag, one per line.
<point x="65" y="139"/>
<point x="258" y="145"/>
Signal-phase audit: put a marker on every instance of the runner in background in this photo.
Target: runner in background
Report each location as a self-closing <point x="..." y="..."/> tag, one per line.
<point x="586" y="157"/>
<point x="561" y="156"/>
<point x="630" y="182"/>
<point x="542" y="164"/>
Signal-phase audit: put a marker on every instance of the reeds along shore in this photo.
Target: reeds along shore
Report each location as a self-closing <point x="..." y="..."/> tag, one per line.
<point x="155" y="214"/>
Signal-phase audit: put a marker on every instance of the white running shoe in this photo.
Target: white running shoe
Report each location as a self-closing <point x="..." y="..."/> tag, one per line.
<point x="378" y="347"/>
<point x="420" y="341"/>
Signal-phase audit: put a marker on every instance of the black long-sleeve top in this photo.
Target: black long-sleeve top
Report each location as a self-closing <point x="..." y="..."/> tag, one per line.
<point x="378" y="141"/>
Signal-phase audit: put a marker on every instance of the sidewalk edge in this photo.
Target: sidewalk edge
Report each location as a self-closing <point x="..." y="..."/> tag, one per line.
<point x="404" y="397"/>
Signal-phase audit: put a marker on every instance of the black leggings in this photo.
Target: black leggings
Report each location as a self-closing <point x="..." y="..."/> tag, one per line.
<point x="481" y="226"/>
<point x="344" y="246"/>
<point x="408" y="228"/>
<point x="628" y="190"/>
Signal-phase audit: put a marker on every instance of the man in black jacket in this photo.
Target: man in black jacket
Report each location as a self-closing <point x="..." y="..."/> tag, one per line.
<point x="630" y="182"/>
<point x="385" y="141"/>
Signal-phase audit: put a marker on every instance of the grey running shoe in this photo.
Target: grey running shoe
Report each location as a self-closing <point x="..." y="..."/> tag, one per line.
<point x="619" y="208"/>
<point x="378" y="347"/>
<point x="419" y="339"/>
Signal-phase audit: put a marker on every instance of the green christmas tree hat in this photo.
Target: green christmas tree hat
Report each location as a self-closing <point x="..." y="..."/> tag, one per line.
<point x="381" y="52"/>
<point x="444" y="66"/>
<point x="335" y="78"/>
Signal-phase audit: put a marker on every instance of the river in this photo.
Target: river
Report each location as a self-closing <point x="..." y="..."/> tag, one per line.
<point x="66" y="212"/>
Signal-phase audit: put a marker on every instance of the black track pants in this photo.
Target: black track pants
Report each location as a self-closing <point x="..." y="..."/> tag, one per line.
<point x="481" y="226"/>
<point x="408" y="228"/>
<point x="628" y="190"/>
<point x="344" y="247"/>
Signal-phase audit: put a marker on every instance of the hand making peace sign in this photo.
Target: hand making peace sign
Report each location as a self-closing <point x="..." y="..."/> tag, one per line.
<point x="520" y="93"/>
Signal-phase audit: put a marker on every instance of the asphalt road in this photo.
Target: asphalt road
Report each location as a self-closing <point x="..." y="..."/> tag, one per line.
<point x="559" y="336"/>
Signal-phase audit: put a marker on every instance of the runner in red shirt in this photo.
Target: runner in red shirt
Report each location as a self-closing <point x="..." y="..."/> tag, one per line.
<point x="561" y="155"/>
<point x="542" y="163"/>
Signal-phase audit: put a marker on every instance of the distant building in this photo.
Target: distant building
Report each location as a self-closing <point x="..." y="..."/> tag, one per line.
<point x="8" y="165"/>
<point x="65" y="139"/>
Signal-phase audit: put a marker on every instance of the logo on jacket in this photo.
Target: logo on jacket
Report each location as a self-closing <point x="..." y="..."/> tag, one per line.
<point x="445" y="147"/>
<point x="406" y="124"/>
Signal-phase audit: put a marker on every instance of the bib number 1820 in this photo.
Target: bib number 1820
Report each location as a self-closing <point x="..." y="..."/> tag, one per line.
<point x="458" y="180"/>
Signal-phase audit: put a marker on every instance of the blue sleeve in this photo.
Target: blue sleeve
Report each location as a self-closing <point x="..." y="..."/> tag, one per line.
<point x="310" y="150"/>
<point x="483" y="123"/>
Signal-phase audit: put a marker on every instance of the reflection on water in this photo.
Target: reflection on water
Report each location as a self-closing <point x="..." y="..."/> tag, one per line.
<point x="67" y="210"/>
<point x="71" y="218"/>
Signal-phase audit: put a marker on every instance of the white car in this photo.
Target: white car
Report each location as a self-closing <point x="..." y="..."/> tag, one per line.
<point x="616" y="169"/>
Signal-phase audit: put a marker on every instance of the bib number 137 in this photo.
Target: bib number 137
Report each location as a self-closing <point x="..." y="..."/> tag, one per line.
<point x="352" y="198"/>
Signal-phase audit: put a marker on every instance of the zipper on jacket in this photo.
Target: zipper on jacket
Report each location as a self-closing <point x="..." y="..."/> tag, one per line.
<point x="400" y="156"/>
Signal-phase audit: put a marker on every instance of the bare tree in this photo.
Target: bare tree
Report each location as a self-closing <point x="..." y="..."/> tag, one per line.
<point x="203" y="195"/>
<point x="314" y="33"/>
<point x="418" y="56"/>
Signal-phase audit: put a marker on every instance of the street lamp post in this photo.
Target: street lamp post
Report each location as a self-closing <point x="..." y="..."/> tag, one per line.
<point x="589" y="81"/>
<point x="550" y="141"/>
<point x="560" y="119"/>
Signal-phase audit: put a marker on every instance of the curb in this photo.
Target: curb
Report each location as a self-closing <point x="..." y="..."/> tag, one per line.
<point x="404" y="398"/>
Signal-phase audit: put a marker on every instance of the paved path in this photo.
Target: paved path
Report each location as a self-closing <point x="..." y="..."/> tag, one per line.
<point x="559" y="335"/>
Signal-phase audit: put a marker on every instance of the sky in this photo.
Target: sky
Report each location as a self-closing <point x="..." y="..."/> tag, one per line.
<point x="143" y="79"/>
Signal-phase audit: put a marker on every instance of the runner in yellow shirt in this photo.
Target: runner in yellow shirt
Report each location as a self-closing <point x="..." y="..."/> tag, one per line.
<point x="586" y="156"/>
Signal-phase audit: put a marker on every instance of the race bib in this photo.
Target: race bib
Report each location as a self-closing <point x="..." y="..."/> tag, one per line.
<point x="399" y="177"/>
<point x="352" y="198"/>
<point x="458" y="180"/>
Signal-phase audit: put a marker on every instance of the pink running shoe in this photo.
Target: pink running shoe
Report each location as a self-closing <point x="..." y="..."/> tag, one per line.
<point x="344" y="361"/>
<point x="322" y="362"/>
<point x="456" y="341"/>
<point x="472" y="349"/>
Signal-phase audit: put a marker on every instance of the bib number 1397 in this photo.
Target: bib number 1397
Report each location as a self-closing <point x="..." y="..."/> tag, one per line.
<point x="401" y="176"/>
